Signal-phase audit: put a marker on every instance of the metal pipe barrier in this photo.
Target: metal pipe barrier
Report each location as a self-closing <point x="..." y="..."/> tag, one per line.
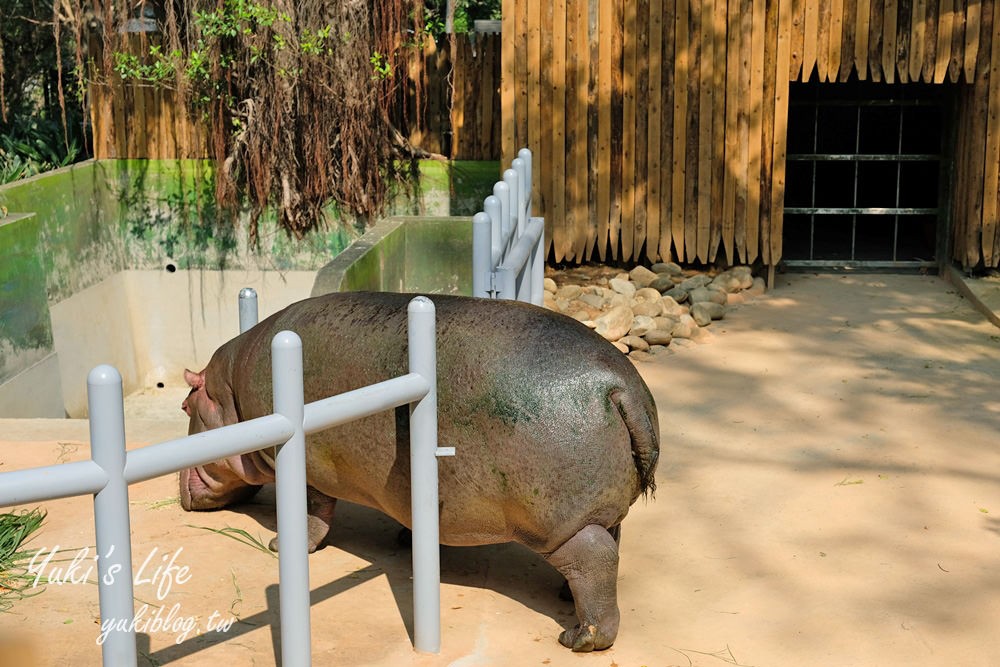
<point x="111" y="469"/>
<point x="248" y="308"/>
<point x="508" y="244"/>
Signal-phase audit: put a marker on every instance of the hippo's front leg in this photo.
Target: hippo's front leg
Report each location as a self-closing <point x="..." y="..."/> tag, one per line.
<point x="320" y="508"/>
<point x="589" y="561"/>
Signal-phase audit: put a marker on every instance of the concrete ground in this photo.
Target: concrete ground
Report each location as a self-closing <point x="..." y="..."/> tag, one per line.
<point x="828" y="495"/>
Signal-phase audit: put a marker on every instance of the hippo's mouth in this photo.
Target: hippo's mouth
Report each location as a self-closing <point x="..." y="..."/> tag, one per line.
<point x="193" y="490"/>
<point x="199" y="491"/>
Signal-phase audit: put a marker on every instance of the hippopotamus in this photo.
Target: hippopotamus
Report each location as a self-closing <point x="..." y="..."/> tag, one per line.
<point x="555" y="433"/>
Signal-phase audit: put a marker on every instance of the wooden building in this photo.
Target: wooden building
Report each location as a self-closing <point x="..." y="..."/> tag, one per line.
<point x="813" y="132"/>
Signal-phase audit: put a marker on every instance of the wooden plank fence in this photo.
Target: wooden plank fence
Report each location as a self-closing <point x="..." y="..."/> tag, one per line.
<point x="686" y="111"/>
<point x="458" y="115"/>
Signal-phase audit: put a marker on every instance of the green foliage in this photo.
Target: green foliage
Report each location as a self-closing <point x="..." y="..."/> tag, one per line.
<point x="38" y="131"/>
<point x="16" y="530"/>
<point x="32" y="145"/>
<point x="381" y="67"/>
<point x="466" y="11"/>
<point x="238" y="17"/>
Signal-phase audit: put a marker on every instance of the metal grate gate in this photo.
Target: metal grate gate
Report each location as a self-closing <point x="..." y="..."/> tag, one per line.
<point x="863" y="175"/>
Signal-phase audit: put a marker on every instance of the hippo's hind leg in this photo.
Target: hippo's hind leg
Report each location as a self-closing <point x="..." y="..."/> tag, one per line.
<point x="320" y="508"/>
<point x="565" y="593"/>
<point x="589" y="561"/>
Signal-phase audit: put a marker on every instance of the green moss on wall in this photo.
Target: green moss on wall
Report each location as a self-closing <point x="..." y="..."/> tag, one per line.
<point x="25" y="326"/>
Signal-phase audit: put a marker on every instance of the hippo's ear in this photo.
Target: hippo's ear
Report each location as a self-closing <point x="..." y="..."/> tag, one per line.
<point x="194" y="380"/>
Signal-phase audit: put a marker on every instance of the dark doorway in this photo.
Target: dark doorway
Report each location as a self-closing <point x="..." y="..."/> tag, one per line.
<point x="864" y="174"/>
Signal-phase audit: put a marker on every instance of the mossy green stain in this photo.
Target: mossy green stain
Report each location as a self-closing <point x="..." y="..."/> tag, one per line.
<point x="502" y="477"/>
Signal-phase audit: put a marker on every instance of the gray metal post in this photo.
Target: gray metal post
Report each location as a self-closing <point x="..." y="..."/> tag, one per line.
<point x="481" y="255"/>
<point x="526" y="179"/>
<point x="501" y="190"/>
<point x="290" y="489"/>
<point x="514" y="226"/>
<point x="520" y="200"/>
<point x="424" y="481"/>
<point x="494" y="208"/>
<point x="538" y="271"/>
<point x="248" y="308"/>
<point x="111" y="518"/>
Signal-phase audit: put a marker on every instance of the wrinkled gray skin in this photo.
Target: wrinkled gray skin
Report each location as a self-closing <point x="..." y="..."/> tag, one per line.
<point x="555" y="433"/>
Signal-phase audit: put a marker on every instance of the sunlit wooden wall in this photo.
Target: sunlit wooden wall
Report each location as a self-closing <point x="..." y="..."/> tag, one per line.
<point x="660" y="125"/>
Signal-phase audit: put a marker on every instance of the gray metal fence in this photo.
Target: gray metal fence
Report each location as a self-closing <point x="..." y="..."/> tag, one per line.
<point x="111" y="469"/>
<point x="508" y="244"/>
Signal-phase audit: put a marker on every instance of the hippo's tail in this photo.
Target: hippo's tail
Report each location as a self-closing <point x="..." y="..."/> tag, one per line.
<point x="644" y="431"/>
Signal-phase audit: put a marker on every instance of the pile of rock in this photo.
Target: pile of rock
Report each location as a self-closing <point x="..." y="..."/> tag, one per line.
<point x="644" y="310"/>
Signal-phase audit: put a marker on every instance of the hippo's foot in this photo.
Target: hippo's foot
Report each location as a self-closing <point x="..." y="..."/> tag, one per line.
<point x="320" y="508"/>
<point x="589" y="561"/>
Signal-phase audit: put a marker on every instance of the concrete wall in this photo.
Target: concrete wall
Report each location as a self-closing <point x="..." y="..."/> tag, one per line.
<point x="129" y="262"/>
<point x="405" y="254"/>
<point x="151" y="325"/>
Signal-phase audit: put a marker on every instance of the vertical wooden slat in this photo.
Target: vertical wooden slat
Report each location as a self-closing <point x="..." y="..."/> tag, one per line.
<point x="617" y="127"/>
<point x="546" y="166"/>
<point x="719" y="126"/>
<point x="811" y="45"/>
<point x="758" y="40"/>
<point x="902" y="57"/>
<point x="917" y="37"/>
<point x="798" y="36"/>
<point x="961" y="179"/>
<point x="140" y="137"/>
<point x="850" y="33"/>
<point x="781" y="126"/>
<point x="957" y="42"/>
<point x="972" y="21"/>
<point x="491" y="150"/>
<point x="534" y="84"/>
<point x="991" y="184"/>
<point x="836" y="37"/>
<point x="918" y="30"/>
<point x="629" y="129"/>
<point x="946" y="18"/>
<point x="603" y="125"/>
<point x="930" y="41"/>
<point x="523" y="74"/>
<point x="743" y="130"/>
<point x="593" y="111"/>
<point x="667" y="135"/>
<point x="641" y="173"/>
<point x="694" y="136"/>
<point x="508" y="85"/>
<point x="656" y="120"/>
<point x="889" y="40"/>
<point x="986" y="44"/>
<point x="459" y="99"/>
<point x="570" y="223"/>
<point x="561" y="237"/>
<point x="876" y="39"/>
<point x="682" y="66"/>
<point x="706" y="102"/>
<point x="768" y="131"/>
<point x="577" y="150"/>
<point x="731" y="161"/>
<point x="823" y="42"/>
<point x="861" y="40"/>
<point x="973" y="172"/>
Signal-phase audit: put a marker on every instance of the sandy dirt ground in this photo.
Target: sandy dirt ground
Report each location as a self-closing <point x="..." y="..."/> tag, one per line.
<point x="828" y="495"/>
